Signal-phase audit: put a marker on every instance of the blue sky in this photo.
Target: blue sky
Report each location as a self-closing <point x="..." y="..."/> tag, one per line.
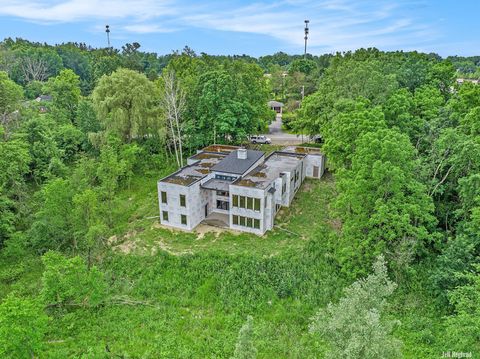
<point x="255" y="28"/>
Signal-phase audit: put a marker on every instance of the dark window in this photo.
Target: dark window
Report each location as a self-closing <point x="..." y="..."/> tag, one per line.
<point x="242" y="202"/>
<point x="235" y="200"/>
<point x="256" y="223"/>
<point x="235" y="220"/>
<point x="183" y="218"/>
<point x="249" y="203"/>
<point x="256" y="204"/>
<point x="164" y="197"/>
<point x="242" y="221"/>
<point x="284" y="188"/>
<point x="222" y="193"/>
<point x="183" y="200"/>
<point x="250" y="222"/>
<point x="222" y="205"/>
<point x="225" y="178"/>
<point x="165" y="215"/>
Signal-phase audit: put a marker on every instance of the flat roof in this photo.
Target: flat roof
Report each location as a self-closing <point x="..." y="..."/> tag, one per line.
<point x="232" y="164"/>
<point x="303" y="150"/>
<point x="217" y="184"/>
<point x="190" y="174"/>
<point x="220" y="148"/>
<point x="263" y="175"/>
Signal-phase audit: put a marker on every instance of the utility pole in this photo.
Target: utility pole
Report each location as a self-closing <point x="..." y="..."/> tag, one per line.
<point x="306" y="38"/>
<point x="107" y="30"/>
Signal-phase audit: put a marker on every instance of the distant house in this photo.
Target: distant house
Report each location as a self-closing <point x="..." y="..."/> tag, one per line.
<point x="234" y="187"/>
<point x="43" y="99"/>
<point x="276" y="106"/>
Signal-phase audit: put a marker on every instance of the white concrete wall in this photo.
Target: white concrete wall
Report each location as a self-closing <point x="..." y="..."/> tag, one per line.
<point x="249" y="192"/>
<point x="195" y="200"/>
<point x="315" y="160"/>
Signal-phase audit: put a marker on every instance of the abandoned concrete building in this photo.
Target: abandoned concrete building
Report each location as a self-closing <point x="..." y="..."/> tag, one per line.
<point x="235" y="187"/>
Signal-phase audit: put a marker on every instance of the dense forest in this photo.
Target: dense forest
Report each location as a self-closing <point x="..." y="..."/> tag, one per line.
<point x="380" y="259"/>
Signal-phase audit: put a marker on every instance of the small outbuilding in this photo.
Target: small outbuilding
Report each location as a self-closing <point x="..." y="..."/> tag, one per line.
<point x="276" y="106"/>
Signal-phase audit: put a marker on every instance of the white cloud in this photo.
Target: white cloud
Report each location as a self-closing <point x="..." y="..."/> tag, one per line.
<point x="334" y="24"/>
<point x="147" y="28"/>
<point x="81" y="10"/>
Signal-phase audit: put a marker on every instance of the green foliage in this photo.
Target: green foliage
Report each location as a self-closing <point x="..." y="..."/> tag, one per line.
<point x="52" y="225"/>
<point x="463" y="327"/>
<point x="34" y="89"/>
<point x="351" y="121"/>
<point x="7" y="219"/>
<point x="356" y="326"/>
<point x="244" y="349"/>
<point x="38" y="133"/>
<point x="69" y="140"/>
<point x="126" y="103"/>
<point x="302" y="65"/>
<point x="68" y="282"/>
<point x="23" y="325"/>
<point x="14" y="164"/>
<point x="65" y="91"/>
<point x="382" y="205"/>
<point x="10" y="96"/>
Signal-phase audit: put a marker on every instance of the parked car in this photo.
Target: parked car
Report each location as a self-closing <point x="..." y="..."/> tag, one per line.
<point x="260" y="139"/>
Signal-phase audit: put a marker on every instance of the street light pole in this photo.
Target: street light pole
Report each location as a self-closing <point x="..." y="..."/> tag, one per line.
<point x="107" y="30"/>
<point x="306" y="38"/>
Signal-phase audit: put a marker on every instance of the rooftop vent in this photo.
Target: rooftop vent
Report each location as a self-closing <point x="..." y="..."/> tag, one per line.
<point x="242" y="154"/>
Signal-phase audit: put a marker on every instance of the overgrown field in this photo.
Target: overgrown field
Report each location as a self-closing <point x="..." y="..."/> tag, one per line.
<point x="185" y="295"/>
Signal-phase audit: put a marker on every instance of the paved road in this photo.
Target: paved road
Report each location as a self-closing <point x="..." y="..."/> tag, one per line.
<point x="281" y="138"/>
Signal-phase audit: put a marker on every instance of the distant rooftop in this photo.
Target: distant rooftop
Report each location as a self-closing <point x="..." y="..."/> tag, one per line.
<point x="232" y="164"/>
<point x="275" y="104"/>
<point x="264" y="174"/>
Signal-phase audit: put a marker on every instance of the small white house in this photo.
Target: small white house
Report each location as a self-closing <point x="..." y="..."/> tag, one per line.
<point x="235" y="187"/>
<point x="276" y="106"/>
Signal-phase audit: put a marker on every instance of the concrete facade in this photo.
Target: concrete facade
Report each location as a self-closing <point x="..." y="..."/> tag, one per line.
<point x="250" y="195"/>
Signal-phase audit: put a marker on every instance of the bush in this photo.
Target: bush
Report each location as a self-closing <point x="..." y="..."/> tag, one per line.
<point x="288" y="119"/>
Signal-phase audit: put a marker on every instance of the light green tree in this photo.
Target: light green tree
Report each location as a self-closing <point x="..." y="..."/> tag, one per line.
<point x="23" y="325"/>
<point x="10" y="96"/>
<point x="356" y="326"/>
<point x="52" y="225"/>
<point x="126" y="104"/>
<point x="351" y="121"/>
<point x="244" y="349"/>
<point x="382" y="204"/>
<point x="463" y="327"/>
<point x="65" y="91"/>
<point x="68" y="282"/>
